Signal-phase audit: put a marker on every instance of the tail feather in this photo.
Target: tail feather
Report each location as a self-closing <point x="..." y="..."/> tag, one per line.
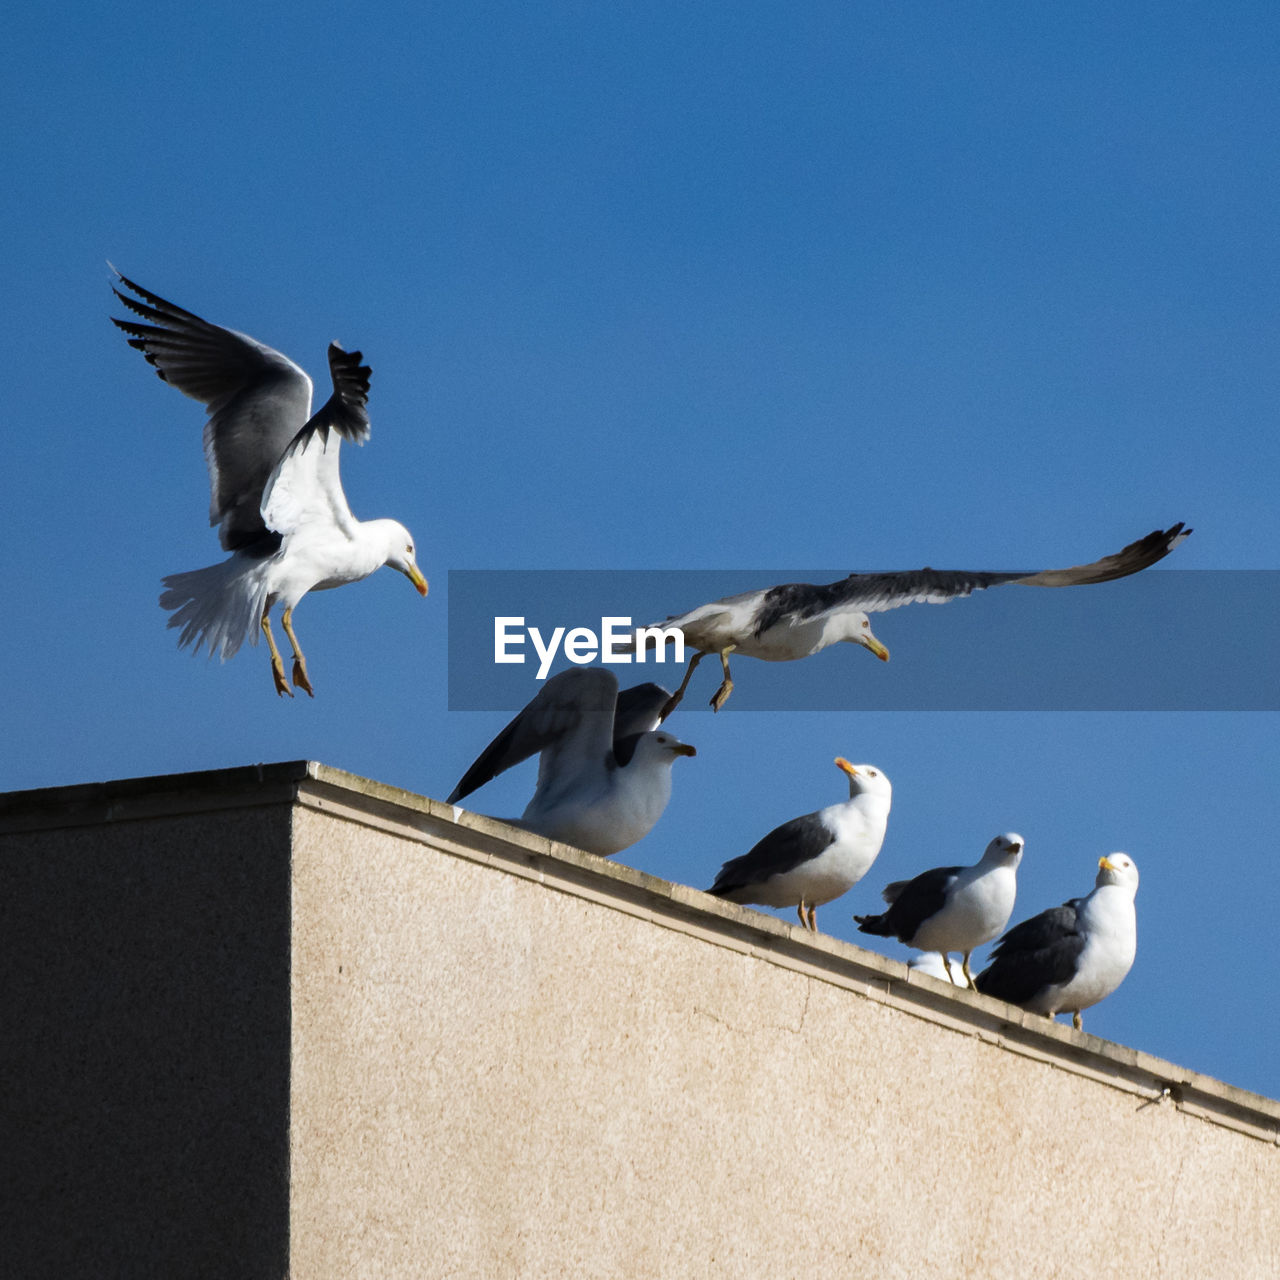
<point x="877" y="925"/>
<point x="219" y="606"/>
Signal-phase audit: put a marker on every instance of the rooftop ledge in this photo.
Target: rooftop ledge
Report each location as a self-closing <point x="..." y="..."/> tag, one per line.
<point x="563" y="869"/>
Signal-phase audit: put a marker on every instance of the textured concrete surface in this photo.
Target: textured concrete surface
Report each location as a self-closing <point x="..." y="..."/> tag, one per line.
<point x="505" y="1058"/>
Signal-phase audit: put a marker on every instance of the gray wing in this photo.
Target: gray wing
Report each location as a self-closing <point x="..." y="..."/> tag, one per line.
<point x="783" y="849"/>
<point x="877" y="592"/>
<point x="569" y="721"/>
<point x="639" y="709"/>
<point x="258" y="402"/>
<point x="913" y="902"/>
<point x="1035" y="954"/>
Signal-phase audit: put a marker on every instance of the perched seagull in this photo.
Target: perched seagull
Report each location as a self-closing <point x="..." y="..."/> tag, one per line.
<point x="273" y="470"/>
<point x="604" y="769"/>
<point x="952" y="908"/>
<point x="1070" y="957"/>
<point x="813" y="859"/>
<point x="781" y="624"/>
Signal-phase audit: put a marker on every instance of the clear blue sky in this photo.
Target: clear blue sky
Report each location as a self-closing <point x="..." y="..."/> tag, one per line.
<point x="678" y="286"/>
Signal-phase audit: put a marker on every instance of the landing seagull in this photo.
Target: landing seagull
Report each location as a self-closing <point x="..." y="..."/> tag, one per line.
<point x="273" y="470"/>
<point x="604" y="770"/>
<point x="1070" y="957"/>
<point x="814" y="859"/>
<point x="781" y="624"/>
<point x="952" y="908"/>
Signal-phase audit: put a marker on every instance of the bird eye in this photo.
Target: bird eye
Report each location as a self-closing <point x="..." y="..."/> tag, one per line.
<point x="873" y="773"/>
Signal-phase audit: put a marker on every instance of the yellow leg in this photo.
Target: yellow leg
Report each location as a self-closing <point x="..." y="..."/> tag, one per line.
<point x="1077" y="1021"/>
<point x="674" y="701"/>
<point x="277" y="665"/>
<point x="968" y="976"/>
<point x="946" y="964"/>
<point x="299" y="662"/>
<point x="726" y="685"/>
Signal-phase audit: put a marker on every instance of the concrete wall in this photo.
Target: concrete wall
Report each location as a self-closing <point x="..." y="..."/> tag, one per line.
<point x="144" y="1029"/>
<point x="505" y="1058"/>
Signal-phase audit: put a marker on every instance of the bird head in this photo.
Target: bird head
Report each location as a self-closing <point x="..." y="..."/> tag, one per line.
<point x="1118" y="868"/>
<point x="864" y="779"/>
<point x="860" y="633"/>
<point x="1006" y="848"/>
<point x="671" y="745"/>
<point x="660" y="747"/>
<point x="400" y="554"/>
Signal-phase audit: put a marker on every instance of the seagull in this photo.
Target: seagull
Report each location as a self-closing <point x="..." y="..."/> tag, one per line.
<point x="781" y="624"/>
<point x="952" y="908"/>
<point x="604" y="768"/>
<point x="1070" y="957"/>
<point x="273" y="471"/>
<point x="813" y="859"/>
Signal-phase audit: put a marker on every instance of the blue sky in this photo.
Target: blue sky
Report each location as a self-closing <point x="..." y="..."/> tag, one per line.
<point x="673" y="286"/>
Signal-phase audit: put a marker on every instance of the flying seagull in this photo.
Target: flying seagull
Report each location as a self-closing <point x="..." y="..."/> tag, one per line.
<point x="781" y="624"/>
<point x="813" y="859"/>
<point x="1070" y="957"/>
<point x="604" y="768"/>
<point x="273" y="471"/>
<point x="952" y="908"/>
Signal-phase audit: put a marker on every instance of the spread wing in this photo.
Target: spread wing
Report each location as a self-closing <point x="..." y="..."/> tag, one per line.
<point x="258" y="401"/>
<point x="639" y="710"/>
<point x="570" y="722"/>
<point x="877" y="592"/>
<point x="347" y="410"/>
<point x="305" y="485"/>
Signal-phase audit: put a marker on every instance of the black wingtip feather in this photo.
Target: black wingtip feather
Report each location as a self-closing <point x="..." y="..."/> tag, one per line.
<point x="346" y="410"/>
<point x="170" y="309"/>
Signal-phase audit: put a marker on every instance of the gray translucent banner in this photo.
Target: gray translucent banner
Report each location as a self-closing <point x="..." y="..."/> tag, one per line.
<point x="1164" y="640"/>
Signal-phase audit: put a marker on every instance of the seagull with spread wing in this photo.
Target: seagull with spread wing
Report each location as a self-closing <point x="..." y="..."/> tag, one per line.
<point x="604" y="766"/>
<point x="277" y="496"/>
<point x="783" y="623"/>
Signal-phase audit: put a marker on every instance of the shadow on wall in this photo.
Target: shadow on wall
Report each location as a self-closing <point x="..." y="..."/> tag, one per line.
<point x="144" y="1061"/>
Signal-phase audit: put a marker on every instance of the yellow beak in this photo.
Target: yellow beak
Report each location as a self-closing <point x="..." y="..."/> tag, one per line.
<point x="1106" y="864"/>
<point x="842" y="763"/>
<point x="414" y="574"/>
<point x="876" y="647"/>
